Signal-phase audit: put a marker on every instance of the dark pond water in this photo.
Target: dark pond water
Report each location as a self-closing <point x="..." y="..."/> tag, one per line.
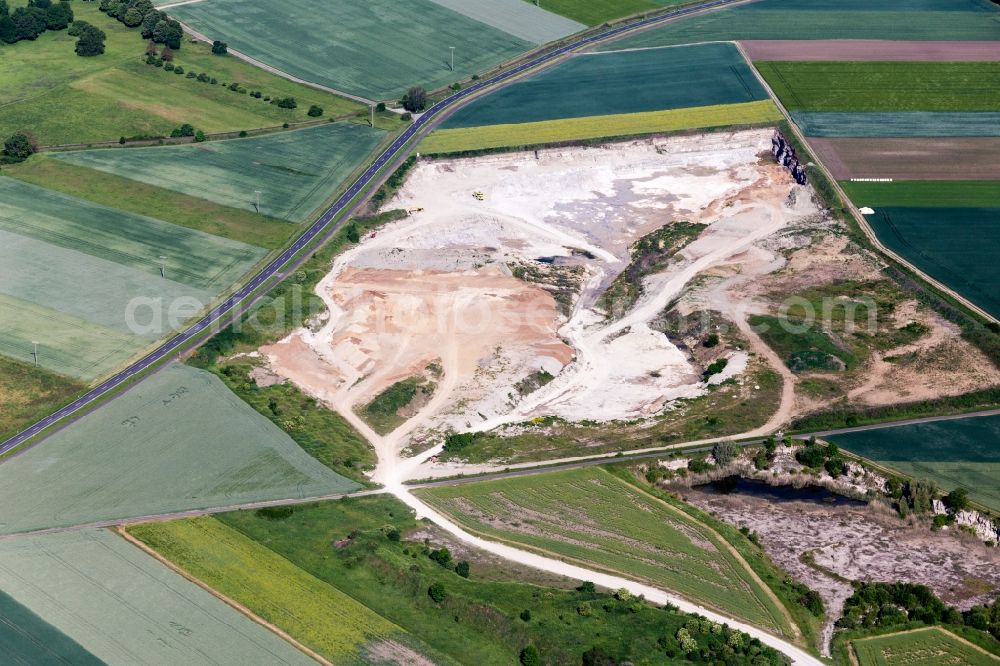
<point x="735" y="485"/>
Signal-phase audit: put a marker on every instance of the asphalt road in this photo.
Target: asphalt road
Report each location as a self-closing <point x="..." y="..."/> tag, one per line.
<point x="231" y="305"/>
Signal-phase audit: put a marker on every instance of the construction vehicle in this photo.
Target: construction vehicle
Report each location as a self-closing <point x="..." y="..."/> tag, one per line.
<point x="479" y="196"/>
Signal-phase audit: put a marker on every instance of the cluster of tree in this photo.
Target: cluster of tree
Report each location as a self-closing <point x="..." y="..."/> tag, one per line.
<point x="27" y="23"/>
<point x="415" y="99"/>
<point x="91" y="39"/>
<point x="815" y="455"/>
<point x="912" y="496"/>
<point x="220" y="48"/>
<point x="876" y="605"/>
<point x="764" y="458"/>
<point x="154" y="24"/>
<point x="188" y="130"/>
<point x="457" y="441"/>
<point x="443" y="557"/>
<point x="19" y="146"/>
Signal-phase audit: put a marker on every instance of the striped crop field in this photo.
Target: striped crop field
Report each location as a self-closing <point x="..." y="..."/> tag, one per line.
<point x="605" y="84"/>
<point x="94" y="598"/>
<point x="597" y="127"/>
<point x="376" y="49"/>
<point x="884" y="86"/>
<point x="925" y="193"/>
<point x="294" y="172"/>
<point x="93" y="284"/>
<point x="929" y="646"/>
<point x="594" y="12"/>
<point x="958" y="453"/>
<point x="924" y="20"/>
<point x="179" y="440"/>
<point x="591" y="517"/>
<point x="310" y="610"/>
<point x="903" y="124"/>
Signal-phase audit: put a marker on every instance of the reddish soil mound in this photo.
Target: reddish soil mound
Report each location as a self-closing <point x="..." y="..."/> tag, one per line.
<point x="871" y="49"/>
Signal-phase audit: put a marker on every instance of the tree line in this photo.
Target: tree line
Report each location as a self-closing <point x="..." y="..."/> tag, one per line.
<point x="154" y="24"/>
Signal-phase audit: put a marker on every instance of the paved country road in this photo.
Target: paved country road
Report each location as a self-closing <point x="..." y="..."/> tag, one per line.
<point x="342" y="208"/>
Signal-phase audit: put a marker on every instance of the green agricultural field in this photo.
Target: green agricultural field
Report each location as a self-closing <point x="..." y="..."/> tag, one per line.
<point x="106" y="601"/>
<point x="25" y="638"/>
<point x="955" y="453"/>
<point x="28" y="393"/>
<point x="593" y="12"/>
<point x="906" y="124"/>
<point x="525" y="20"/>
<point x="967" y="262"/>
<point x="885" y="86"/>
<point x="920" y="647"/>
<point x="377" y="50"/>
<point x="386" y="566"/>
<point x="925" y="193"/>
<point x="462" y="139"/>
<point x="621" y="82"/>
<point x="135" y="197"/>
<point x="313" y="612"/>
<point x="593" y="518"/>
<point x="192" y="258"/>
<point x="830" y="19"/>
<point x="179" y="440"/>
<point x="69" y="346"/>
<point x="63" y="98"/>
<point x="295" y="172"/>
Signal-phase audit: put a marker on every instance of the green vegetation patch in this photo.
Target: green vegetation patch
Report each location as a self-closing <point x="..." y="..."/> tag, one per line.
<point x="464" y="139"/>
<point x="380" y="48"/>
<point x="649" y="254"/>
<point x="371" y="549"/>
<point x="28" y="393"/>
<point x="927" y="646"/>
<point x="119" y="605"/>
<point x="591" y="517"/>
<point x="954" y="245"/>
<point x="383" y="412"/>
<point x="830" y="19"/>
<point x="320" y="431"/>
<point x="804" y="347"/>
<point x="293" y="172"/>
<point x="925" y="193"/>
<point x="63" y="98"/>
<point x="622" y="82"/>
<point x="25" y="638"/>
<point x="134" y="242"/>
<point x="309" y="609"/>
<point x="885" y="86"/>
<point x="136" y="197"/>
<point x="892" y="124"/>
<point x="959" y="453"/>
<point x="179" y="440"/>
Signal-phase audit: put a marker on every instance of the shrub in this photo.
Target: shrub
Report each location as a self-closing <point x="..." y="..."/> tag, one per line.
<point x="437" y="593"/>
<point x="287" y="103"/>
<point x="407" y="116"/>
<point x="192" y="75"/>
<point x="530" y="657"/>
<point x="178" y="70"/>
<point x="219" y="48"/>
<point x="711" y="341"/>
<point x="169" y="66"/>
<point x="463" y="569"/>
<point x="203" y="77"/>
<point x="315" y="111"/>
<point x="725" y="453"/>
<point x="415" y="99"/>
<point x="20" y="146"/>
<point x="957" y="500"/>
<point x="243" y="133"/>
<point x="442" y="556"/>
<point x="525" y="615"/>
<point x="199" y="136"/>
<point x="380" y="106"/>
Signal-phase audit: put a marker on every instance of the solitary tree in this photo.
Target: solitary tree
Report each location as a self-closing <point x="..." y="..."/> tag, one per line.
<point x="530" y="657"/>
<point x="20" y="146"/>
<point x="957" y="500"/>
<point x="91" y="42"/>
<point x="315" y="111"/>
<point x="724" y="453"/>
<point x="415" y="99"/>
<point x="219" y="48"/>
<point x="437" y="593"/>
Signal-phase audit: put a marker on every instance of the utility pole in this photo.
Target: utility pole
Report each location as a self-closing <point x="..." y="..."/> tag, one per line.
<point x="35" y="353"/>
<point x="372" y="107"/>
<point x="162" y="259"/>
<point x="257" y="205"/>
<point x="452" y="49"/>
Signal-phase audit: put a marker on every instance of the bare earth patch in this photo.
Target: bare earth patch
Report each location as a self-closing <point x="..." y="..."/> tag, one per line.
<point x="911" y="158"/>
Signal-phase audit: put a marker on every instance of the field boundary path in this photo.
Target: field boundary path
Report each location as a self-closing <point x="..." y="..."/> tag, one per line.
<point x="858" y="216"/>
<point x="331" y="221"/>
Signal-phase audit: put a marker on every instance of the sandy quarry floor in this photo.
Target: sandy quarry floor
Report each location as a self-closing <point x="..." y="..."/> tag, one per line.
<point x="866" y="543"/>
<point x="437" y="286"/>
